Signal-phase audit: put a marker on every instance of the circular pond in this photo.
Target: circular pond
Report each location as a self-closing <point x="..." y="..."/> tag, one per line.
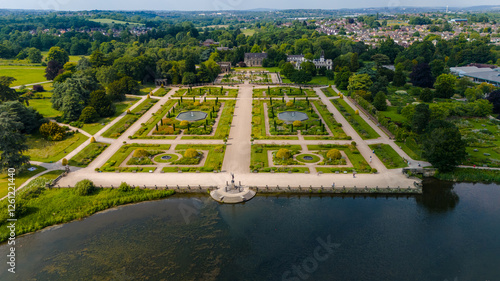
<point x="307" y="158"/>
<point x="166" y="158"/>
<point x="290" y="116"/>
<point x="192" y="115"/>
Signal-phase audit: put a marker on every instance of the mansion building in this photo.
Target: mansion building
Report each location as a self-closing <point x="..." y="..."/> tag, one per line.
<point x="297" y="60"/>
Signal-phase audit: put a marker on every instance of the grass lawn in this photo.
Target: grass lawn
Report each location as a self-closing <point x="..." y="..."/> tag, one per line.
<point x="214" y="160"/>
<point x="20" y="179"/>
<point x="224" y="125"/>
<point x="23" y="74"/>
<point x="112" y="21"/>
<point x="43" y="150"/>
<point x="316" y="80"/>
<point x="248" y="32"/>
<point x="411" y="148"/>
<point x="162" y="92"/>
<point x="483" y="141"/>
<point x="121" y="107"/>
<point x="260" y="162"/>
<point x="388" y="156"/>
<point x="123" y="124"/>
<point x="258" y="123"/>
<point x="117" y="159"/>
<point x="61" y="205"/>
<point x="392" y="112"/>
<point x="336" y="128"/>
<point x="329" y="92"/>
<point x="358" y="161"/>
<point x="151" y="123"/>
<point x="87" y="155"/>
<point x="357" y="122"/>
<point x="44" y="106"/>
<point x="256" y="68"/>
<point x="470" y="175"/>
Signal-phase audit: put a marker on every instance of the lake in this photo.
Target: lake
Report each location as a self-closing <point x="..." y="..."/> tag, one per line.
<point x="449" y="233"/>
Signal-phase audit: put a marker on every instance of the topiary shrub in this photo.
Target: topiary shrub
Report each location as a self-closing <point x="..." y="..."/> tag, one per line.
<point x="140" y="153"/>
<point x="289" y="104"/>
<point x="191" y="153"/>
<point x="84" y="187"/>
<point x="64" y="162"/>
<point x="283" y="153"/>
<point x="297" y="123"/>
<point x="333" y="154"/>
<point x="92" y="140"/>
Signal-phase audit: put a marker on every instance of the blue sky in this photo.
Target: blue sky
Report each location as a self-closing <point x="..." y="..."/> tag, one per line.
<point x="225" y="4"/>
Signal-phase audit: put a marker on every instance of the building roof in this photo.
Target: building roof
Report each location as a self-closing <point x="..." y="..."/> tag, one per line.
<point x="255" y="55"/>
<point x="487" y="74"/>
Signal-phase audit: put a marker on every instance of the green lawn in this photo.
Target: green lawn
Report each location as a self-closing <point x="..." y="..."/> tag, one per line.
<point x="117" y="159"/>
<point x="162" y="92"/>
<point x="358" y="161"/>
<point x="357" y="122"/>
<point x="87" y="155"/>
<point x="388" y="156"/>
<point x="256" y="68"/>
<point x="46" y="151"/>
<point x="224" y="125"/>
<point x="412" y="149"/>
<point x="123" y="124"/>
<point x="316" y="80"/>
<point x="113" y="21"/>
<point x="392" y="112"/>
<point x="23" y="74"/>
<point x="60" y="205"/>
<point x="20" y="179"/>
<point x="214" y="160"/>
<point x="121" y="107"/>
<point x="248" y="32"/>
<point x="260" y="162"/>
<point x="329" y="92"/>
<point x="336" y="128"/>
<point x="44" y="106"/>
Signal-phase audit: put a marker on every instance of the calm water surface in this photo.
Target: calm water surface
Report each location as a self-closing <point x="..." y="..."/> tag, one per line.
<point x="450" y="233"/>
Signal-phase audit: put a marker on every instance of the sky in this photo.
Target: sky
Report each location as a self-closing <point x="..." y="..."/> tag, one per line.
<point x="200" y="5"/>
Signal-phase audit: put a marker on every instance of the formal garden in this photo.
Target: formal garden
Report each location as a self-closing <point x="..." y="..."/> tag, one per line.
<point x="206" y="92"/>
<point x="331" y="163"/>
<point x="283" y="92"/>
<point x="356" y="121"/>
<point x="276" y="158"/>
<point x="388" y="156"/>
<point x="285" y="119"/>
<point x="147" y="158"/>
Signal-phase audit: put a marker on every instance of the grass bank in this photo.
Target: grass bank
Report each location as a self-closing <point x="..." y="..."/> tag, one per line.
<point x="470" y="175"/>
<point x="46" y="207"/>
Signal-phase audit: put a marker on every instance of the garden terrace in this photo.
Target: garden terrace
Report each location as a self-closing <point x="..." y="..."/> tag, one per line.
<point x="261" y="162"/>
<point x="259" y="122"/>
<point x="388" y="156"/>
<point x="162" y="92"/>
<point x="357" y="161"/>
<point x="171" y="125"/>
<point x="145" y="131"/>
<point x="311" y="126"/>
<point x="357" y="122"/>
<point x="207" y="91"/>
<point x="329" y="92"/>
<point x="214" y="156"/>
<point x="123" y="124"/>
<point x="284" y="91"/>
<point x="88" y="154"/>
<point x="117" y="161"/>
<point x="335" y="127"/>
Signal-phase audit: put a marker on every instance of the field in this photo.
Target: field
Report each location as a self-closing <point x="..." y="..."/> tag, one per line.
<point x="20" y="179"/>
<point x="388" y="156"/>
<point x="248" y="32"/>
<point x="24" y="74"/>
<point x="52" y="151"/>
<point x="112" y="21"/>
<point x="44" y="106"/>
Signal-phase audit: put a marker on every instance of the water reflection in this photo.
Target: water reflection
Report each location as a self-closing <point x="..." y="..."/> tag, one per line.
<point x="438" y="196"/>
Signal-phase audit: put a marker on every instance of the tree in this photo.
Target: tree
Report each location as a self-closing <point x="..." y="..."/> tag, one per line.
<point x="191" y="153"/>
<point x="53" y="69"/>
<point x="188" y="78"/>
<point x="359" y="82"/>
<point x="12" y="142"/>
<point x="34" y="55"/>
<point x="57" y="54"/>
<point x="437" y="68"/>
<point x="444" y="85"/>
<point x="380" y="101"/>
<point x="333" y="154"/>
<point x="421" y="118"/>
<point x="6" y="92"/>
<point x="494" y="98"/>
<point x="98" y="59"/>
<point x="342" y="78"/>
<point x="283" y="154"/>
<point x="309" y="67"/>
<point x="426" y="95"/>
<point x="102" y="103"/>
<point x="72" y="95"/>
<point x="297" y="123"/>
<point x="443" y="146"/>
<point x="399" y="79"/>
<point x="287" y="69"/>
<point x="84" y="187"/>
<point x="31" y="119"/>
<point x="64" y="162"/>
<point x="256" y="49"/>
<point x="140" y="153"/>
<point x="381" y="59"/>
<point x="89" y="115"/>
<point x="300" y="77"/>
<point x="52" y="131"/>
<point x="421" y="76"/>
<point x="118" y="89"/>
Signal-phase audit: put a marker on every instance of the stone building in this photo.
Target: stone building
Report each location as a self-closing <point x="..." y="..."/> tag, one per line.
<point x="225" y="66"/>
<point x="296" y="60"/>
<point x="254" y="59"/>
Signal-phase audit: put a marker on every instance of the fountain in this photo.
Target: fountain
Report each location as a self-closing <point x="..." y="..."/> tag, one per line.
<point x="232" y="193"/>
<point x="308" y="158"/>
<point x="166" y="157"/>
<point x="290" y="116"/>
<point x="192" y="116"/>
